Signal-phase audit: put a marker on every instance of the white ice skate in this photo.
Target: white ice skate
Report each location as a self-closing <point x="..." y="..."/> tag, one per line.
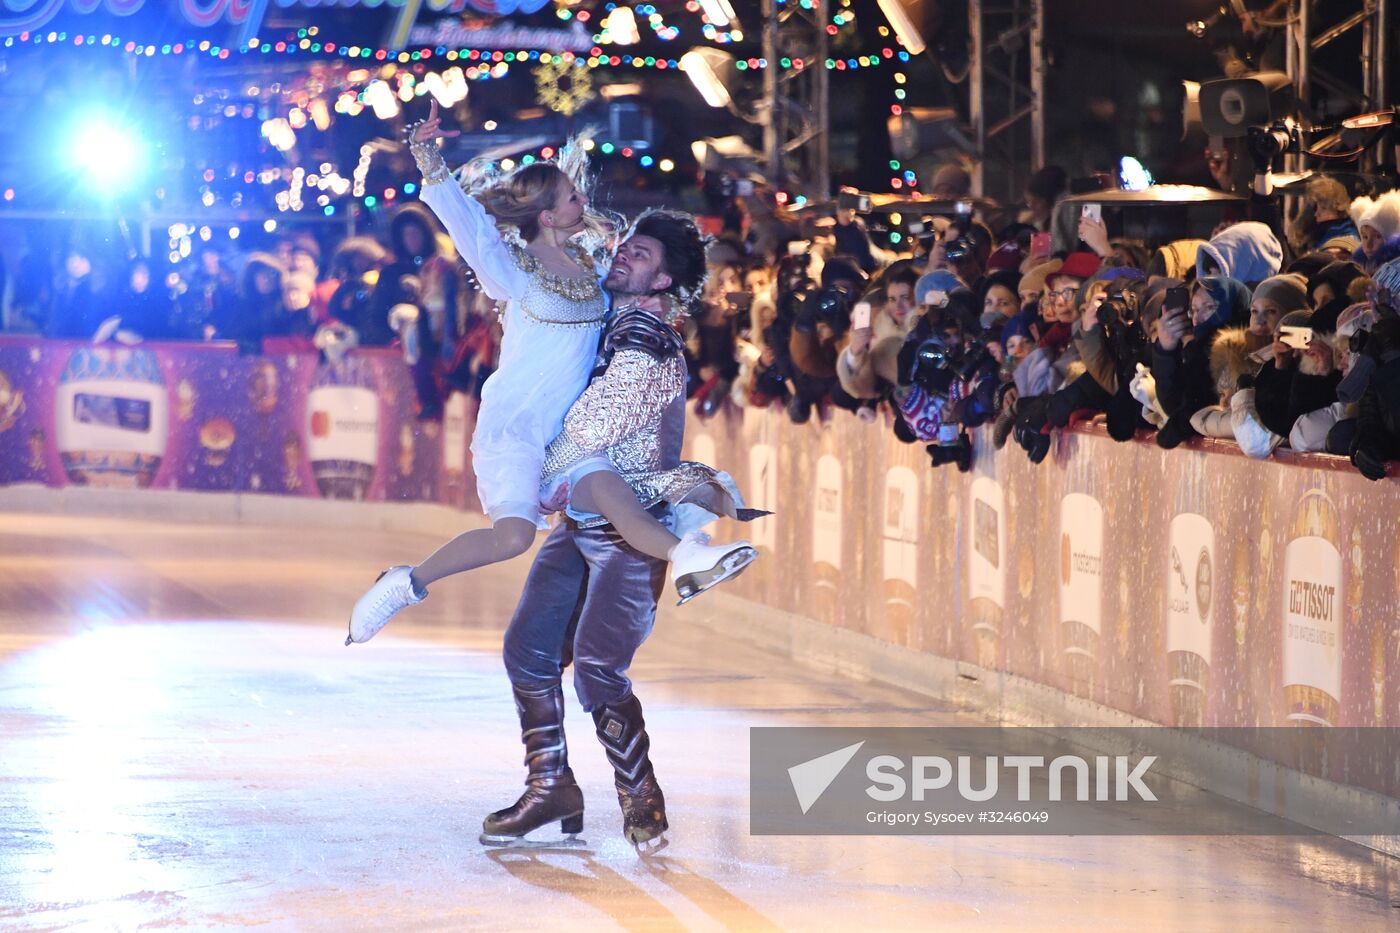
<point x="697" y="565"/>
<point x="391" y="592"/>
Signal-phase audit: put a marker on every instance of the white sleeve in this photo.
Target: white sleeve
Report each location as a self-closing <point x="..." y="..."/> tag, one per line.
<point x="1310" y="430"/>
<point x="476" y="238"/>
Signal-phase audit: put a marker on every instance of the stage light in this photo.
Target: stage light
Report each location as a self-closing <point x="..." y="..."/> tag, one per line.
<point x="107" y="155"/>
<point x="719" y="12"/>
<point x="621" y="26"/>
<point x="706" y="68"/>
<point x="1134" y="175"/>
<point x="381" y="98"/>
<point x="904" y="27"/>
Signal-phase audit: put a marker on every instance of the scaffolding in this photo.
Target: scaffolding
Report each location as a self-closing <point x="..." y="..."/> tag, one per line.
<point x="1006" y="93"/>
<point x="1312" y="26"/>
<point x="796" y="128"/>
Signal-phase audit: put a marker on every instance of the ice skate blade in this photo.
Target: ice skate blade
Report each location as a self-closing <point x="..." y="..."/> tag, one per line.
<point x="651" y="846"/>
<point x="571" y="841"/>
<point x="693" y="584"/>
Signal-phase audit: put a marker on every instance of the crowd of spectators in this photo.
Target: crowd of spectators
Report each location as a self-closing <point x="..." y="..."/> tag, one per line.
<point x="1265" y="335"/>
<point x="1262" y="334"/>
<point x="405" y="289"/>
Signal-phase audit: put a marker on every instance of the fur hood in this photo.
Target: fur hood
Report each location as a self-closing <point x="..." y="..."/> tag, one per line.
<point x="1229" y="359"/>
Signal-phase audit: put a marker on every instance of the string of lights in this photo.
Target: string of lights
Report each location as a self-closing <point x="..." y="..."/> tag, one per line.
<point x="597" y="57"/>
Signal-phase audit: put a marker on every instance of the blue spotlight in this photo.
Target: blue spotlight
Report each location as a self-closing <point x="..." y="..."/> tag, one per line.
<point x="105" y="153"/>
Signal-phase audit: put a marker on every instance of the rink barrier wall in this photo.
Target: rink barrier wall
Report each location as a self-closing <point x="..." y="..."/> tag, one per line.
<point x="1187" y="587"/>
<point x="203" y="417"/>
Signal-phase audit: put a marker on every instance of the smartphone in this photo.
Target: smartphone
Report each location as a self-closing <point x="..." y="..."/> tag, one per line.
<point x="741" y="300"/>
<point x="853" y="201"/>
<point x="798" y="247"/>
<point x="743" y="187"/>
<point x="1177" y="298"/>
<point x="964" y="208"/>
<point x="860" y="315"/>
<point x="1040" y="245"/>
<point x="1263" y="354"/>
<point x="1094" y="212"/>
<point x="1296" y="337"/>
<point x="936" y="299"/>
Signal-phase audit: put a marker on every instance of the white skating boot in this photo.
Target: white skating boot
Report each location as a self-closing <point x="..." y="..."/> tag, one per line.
<point x="697" y="565"/>
<point x="391" y="592"/>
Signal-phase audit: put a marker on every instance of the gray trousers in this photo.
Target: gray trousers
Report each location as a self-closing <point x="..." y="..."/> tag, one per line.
<point x="590" y="599"/>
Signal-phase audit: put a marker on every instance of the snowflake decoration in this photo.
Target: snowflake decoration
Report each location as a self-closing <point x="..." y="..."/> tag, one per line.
<point x="563" y="87"/>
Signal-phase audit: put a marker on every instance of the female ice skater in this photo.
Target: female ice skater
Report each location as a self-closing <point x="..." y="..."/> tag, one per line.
<point x="555" y="309"/>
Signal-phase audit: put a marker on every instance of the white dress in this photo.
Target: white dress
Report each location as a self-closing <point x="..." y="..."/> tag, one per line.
<point x="551" y="325"/>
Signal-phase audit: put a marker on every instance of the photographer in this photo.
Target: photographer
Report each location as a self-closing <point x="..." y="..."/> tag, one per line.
<point x="1111" y="342"/>
<point x="711" y="351"/>
<point x="820" y="321"/>
<point x="947" y="378"/>
<point x="774" y="374"/>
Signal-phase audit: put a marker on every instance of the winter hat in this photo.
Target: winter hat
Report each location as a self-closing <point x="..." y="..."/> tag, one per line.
<point x="1355" y="318"/>
<point x="1387" y="278"/>
<point x="1328" y="193"/>
<point x="1338" y="274"/>
<point x="1346" y="244"/>
<point x="1178" y="257"/>
<point x="1247" y="252"/>
<point x="1310" y="264"/>
<point x="1076" y="265"/>
<point x="1289" y="292"/>
<point x="940" y="280"/>
<point x="1007" y="256"/>
<point x="1381" y="214"/>
<point x="1016" y="326"/>
<point x="1036" y="277"/>
<point x="1008" y="279"/>
<point x="839" y="268"/>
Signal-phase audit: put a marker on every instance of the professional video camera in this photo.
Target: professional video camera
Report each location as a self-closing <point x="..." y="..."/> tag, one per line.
<point x="830" y="305"/>
<point x="1261" y="109"/>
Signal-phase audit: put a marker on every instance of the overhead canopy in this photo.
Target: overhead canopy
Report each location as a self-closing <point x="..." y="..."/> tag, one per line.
<point x="1156" y="194"/>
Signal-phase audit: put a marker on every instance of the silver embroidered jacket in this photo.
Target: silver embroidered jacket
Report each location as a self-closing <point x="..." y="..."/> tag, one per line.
<point x="634" y="412"/>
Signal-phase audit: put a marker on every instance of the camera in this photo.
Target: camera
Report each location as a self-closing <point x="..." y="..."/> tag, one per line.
<point x="933" y="367"/>
<point x="959" y="248"/>
<point x="830" y="305"/>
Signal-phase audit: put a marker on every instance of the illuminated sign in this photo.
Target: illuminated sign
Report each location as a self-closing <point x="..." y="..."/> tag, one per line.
<point x="20" y="17"/>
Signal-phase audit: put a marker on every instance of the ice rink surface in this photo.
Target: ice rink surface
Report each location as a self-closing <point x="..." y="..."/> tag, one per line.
<point x="186" y="742"/>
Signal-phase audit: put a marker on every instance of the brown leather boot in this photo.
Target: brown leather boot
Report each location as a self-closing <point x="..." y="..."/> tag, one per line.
<point x="623" y="733"/>
<point x="550" y="790"/>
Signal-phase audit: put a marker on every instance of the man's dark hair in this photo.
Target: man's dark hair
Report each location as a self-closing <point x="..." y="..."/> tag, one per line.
<point x="682" y="243"/>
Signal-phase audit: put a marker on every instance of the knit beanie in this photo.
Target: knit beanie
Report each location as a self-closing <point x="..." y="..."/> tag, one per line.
<point x="1289" y="292"/>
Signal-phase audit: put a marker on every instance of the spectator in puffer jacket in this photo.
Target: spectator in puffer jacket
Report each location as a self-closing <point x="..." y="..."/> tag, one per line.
<point x="1247" y="252"/>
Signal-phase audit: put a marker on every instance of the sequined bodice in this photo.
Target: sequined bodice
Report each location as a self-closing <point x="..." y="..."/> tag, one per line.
<point x="558" y="301"/>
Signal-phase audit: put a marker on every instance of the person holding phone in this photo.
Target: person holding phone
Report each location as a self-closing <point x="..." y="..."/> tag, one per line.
<point x="1302" y="376"/>
<point x="1191" y="317"/>
<point x="869" y="361"/>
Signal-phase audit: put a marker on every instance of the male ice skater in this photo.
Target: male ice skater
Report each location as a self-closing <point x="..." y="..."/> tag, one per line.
<point x="590" y="597"/>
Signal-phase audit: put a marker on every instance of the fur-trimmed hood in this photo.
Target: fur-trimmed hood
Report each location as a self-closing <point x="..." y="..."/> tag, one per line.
<point x="1229" y="358"/>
